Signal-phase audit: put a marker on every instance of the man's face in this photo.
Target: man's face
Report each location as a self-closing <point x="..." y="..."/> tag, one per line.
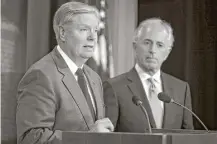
<point x="81" y="35"/>
<point x="152" y="47"/>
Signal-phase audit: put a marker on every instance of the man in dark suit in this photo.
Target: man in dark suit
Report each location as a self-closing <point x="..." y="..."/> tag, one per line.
<point x="59" y="92"/>
<point x="152" y="44"/>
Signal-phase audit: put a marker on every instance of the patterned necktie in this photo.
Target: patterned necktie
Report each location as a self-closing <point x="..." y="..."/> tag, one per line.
<point x="155" y="103"/>
<point x="84" y="87"/>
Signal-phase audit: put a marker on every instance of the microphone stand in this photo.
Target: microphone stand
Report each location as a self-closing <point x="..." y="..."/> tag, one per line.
<point x="192" y="113"/>
<point x="146" y="114"/>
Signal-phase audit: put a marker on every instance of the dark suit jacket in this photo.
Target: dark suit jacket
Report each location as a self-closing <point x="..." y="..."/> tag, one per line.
<point x="50" y="101"/>
<point x="127" y="117"/>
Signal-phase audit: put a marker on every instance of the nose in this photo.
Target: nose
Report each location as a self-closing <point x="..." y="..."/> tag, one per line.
<point x="92" y="36"/>
<point x="152" y="49"/>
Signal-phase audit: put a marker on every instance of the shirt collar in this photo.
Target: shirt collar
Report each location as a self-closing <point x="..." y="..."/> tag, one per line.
<point x="72" y="66"/>
<point x="143" y="75"/>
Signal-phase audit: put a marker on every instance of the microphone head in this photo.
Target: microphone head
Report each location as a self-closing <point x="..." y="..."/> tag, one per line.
<point x="136" y="100"/>
<point x="164" y="97"/>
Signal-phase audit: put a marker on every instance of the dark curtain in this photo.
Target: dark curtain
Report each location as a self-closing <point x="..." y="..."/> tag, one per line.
<point x="203" y="66"/>
<point x="193" y="57"/>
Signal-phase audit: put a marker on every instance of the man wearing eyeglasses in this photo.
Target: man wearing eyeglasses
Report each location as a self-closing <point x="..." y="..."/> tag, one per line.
<point x="153" y="42"/>
<point x="59" y="92"/>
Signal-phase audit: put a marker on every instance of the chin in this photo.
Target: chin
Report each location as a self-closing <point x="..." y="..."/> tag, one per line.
<point x="87" y="56"/>
<point x="151" y="66"/>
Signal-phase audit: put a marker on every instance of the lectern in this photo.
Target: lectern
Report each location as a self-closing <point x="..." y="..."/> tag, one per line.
<point x="157" y="137"/>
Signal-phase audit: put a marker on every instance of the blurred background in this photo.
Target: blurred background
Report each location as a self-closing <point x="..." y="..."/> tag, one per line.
<point x="27" y="35"/>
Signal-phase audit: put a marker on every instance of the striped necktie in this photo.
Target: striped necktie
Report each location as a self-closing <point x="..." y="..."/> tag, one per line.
<point x="155" y="103"/>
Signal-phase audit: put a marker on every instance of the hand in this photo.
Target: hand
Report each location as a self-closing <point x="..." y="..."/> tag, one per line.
<point x="102" y="125"/>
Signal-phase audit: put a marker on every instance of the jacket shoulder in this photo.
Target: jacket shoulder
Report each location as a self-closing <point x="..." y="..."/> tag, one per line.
<point x="45" y="66"/>
<point x="173" y="79"/>
<point x="118" y="80"/>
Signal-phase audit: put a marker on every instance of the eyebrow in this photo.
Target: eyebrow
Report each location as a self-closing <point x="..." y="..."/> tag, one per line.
<point x="83" y="25"/>
<point x="147" y="40"/>
<point x="159" y="42"/>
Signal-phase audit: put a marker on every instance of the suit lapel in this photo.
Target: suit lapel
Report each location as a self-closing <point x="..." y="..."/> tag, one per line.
<point x="71" y="84"/>
<point x="137" y="90"/>
<point x="169" y="112"/>
<point x="96" y="93"/>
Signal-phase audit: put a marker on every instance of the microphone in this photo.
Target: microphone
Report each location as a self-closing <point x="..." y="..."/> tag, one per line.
<point x="166" y="99"/>
<point x="138" y="102"/>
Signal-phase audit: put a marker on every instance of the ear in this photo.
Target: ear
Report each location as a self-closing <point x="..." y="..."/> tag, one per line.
<point x="134" y="50"/>
<point x="134" y="45"/>
<point x="62" y="34"/>
<point x="170" y="49"/>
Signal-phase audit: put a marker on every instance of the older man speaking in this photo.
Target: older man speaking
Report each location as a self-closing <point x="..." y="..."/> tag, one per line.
<point x="59" y="92"/>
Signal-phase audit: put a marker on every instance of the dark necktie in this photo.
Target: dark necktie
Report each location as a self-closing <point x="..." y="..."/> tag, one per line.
<point x="82" y="81"/>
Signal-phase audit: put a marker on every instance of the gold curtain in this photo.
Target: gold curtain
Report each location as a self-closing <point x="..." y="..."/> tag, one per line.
<point x="122" y="20"/>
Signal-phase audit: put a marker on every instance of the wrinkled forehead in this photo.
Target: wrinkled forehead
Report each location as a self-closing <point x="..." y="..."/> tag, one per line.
<point x="88" y="16"/>
<point x="88" y="19"/>
<point x="156" y="32"/>
<point x="155" y="26"/>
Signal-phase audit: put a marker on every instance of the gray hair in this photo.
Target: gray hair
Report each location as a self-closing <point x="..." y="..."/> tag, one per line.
<point x="151" y="21"/>
<point x="67" y="12"/>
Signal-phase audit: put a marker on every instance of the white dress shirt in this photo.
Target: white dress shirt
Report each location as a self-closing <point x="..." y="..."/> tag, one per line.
<point x="73" y="68"/>
<point x="157" y="82"/>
